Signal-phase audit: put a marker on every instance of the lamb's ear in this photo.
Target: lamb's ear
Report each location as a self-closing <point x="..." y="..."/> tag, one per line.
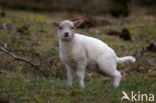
<point x="78" y="23"/>
<point x="55" y="24"/>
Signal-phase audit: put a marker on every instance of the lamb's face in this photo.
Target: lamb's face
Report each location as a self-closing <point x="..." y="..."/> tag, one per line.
<point x="66" y="29"/>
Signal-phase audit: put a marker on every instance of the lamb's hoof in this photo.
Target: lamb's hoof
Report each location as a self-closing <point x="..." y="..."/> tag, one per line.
<point x="116" y="85"/>
<point x="82" y="86"/>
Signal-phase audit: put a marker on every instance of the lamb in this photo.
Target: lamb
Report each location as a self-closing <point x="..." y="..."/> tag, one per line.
<point x="78" y="52"/>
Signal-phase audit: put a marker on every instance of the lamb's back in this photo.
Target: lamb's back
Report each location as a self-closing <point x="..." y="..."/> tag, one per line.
<point x="94" y="47"/>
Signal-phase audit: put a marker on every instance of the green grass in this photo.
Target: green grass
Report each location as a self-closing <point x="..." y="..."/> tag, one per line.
<point x="96" y="91"/>
<point x="31" y="36"/>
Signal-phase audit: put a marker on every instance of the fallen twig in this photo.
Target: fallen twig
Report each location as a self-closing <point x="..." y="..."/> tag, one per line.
<point x="21" y="59"/>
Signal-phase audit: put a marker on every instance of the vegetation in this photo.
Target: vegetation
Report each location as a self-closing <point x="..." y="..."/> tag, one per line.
<point x="115" y="7"/>
<point x="30" y="35"/>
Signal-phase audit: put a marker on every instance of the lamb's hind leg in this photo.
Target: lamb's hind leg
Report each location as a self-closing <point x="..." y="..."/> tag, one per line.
<point x="109" y="67"/>
<point x="116" y="78"/>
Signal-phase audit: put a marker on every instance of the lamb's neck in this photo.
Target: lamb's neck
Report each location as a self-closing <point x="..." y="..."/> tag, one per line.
<point x="66" y="45"/>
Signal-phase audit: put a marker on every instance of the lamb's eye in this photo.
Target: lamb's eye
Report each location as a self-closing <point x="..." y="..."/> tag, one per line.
<point x="72" y="28"/>
<point x="60" y="28"/>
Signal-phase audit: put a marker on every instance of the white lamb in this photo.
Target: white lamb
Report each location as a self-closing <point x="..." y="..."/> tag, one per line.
<point x="79" y="52"/>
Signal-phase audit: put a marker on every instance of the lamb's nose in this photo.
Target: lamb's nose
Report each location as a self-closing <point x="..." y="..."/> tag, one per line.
<point x="66" y="34"/>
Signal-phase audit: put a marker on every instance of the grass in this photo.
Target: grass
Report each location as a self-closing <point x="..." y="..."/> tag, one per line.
<point x="44" y="91"/>
<point x="31" y="36"/>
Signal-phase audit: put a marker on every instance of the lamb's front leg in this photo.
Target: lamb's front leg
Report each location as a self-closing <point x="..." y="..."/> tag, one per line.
<point x="80" y="72"/>
<point x="69" y="75"/>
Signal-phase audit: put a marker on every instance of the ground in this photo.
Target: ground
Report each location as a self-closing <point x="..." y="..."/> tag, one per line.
<point x="31" y="36"/>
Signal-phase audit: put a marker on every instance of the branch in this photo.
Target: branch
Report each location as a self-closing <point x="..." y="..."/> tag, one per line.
<point x="21" y="59"/>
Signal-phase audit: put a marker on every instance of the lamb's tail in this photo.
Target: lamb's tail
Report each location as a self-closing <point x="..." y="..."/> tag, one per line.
<point x="126" y="58"/>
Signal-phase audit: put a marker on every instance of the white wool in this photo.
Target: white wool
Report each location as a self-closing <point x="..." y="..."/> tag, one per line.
<point x="80" y="51"/>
